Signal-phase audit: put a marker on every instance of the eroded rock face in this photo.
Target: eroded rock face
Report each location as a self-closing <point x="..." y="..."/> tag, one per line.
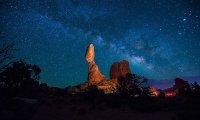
<point x="94" y="75"/>
<point x="119" y="69"/>
<point x="108" y="87"/>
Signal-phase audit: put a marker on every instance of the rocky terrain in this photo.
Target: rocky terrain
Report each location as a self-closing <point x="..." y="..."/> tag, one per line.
<point x="120" y="98"/>
<point x="96" y="78"/>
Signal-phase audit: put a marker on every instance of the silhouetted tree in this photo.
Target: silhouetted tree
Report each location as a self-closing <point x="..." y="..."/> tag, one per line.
<point x="20" y="75"/>
<point x="132" y="84"/>
<point x="195" y="88"/>
<point x="125" y="84"/>
<point x="6" y="51"/>
<point x="146" y="92"/>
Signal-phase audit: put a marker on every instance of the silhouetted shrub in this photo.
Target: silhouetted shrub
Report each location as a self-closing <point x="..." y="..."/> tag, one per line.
<point x="20" y="77"/>
<point x="195" y="89"/>
<point x="132" y="85"/>
<point x="6" y="51"/>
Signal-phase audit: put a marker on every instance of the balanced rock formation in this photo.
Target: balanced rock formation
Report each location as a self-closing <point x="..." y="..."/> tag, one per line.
<point x="94" y="75"/>
<point x="98" y="80"/>
<point x="119" y="69"/>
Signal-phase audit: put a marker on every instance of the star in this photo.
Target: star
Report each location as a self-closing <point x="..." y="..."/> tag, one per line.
<point x="184" y="19"/>
<point x="159" y="42"/>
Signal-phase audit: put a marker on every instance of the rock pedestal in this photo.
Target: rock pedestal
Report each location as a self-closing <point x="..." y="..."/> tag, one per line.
<point x="94" y="75"/>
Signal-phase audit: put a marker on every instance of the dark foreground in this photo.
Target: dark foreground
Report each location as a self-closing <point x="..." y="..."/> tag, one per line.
<point x="98" y="107"/>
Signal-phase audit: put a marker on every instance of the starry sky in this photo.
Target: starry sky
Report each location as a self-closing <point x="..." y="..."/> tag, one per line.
<point x="159" y="38"/>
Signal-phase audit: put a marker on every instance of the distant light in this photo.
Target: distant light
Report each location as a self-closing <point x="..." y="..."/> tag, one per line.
<point x="184" y="19"/>
<point x="154" y="92"/>
<point x="170" y="94"/>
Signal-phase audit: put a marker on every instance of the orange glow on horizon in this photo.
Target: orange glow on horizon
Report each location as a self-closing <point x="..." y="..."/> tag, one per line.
<point x="170" y="94"/>
<point x="154" y="92"/>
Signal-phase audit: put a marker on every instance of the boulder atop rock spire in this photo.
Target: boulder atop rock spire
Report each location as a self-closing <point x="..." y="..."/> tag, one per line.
<point x="89" y="55"/>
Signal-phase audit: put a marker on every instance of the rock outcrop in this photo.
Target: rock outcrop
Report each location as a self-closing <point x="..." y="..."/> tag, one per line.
<point x="108" y="87"/>
<point x="181" y="84"/>
<point x="97" y="79"/>
<point x="94" y="75"/>
<point x="119" y="69"/>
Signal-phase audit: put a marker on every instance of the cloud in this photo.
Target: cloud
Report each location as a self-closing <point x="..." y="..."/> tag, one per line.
<point x="139" y="60"/>
<point x="124" y="52"/>
<point x="135" y="59"/>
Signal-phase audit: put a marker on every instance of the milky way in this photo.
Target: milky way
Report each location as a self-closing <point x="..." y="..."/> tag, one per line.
<point x="160" y="39"/>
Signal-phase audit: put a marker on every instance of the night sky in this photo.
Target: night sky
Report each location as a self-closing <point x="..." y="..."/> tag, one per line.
<point x="159" y="38"/>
